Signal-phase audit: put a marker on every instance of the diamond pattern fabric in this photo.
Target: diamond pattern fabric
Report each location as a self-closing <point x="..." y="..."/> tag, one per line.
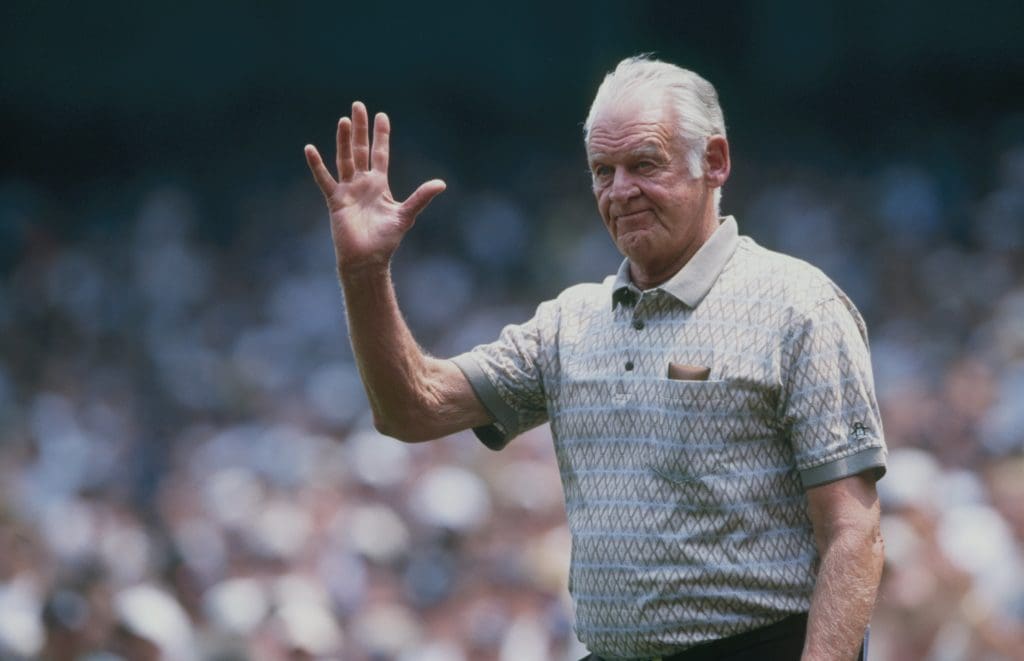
<point x="686" y="499"/>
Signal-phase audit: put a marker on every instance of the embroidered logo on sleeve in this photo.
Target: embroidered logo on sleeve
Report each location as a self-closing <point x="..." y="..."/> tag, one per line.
<point x="859" y="431"/>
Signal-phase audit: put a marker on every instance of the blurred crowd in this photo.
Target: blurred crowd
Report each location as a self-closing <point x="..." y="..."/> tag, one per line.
<point x="188" y="469"/>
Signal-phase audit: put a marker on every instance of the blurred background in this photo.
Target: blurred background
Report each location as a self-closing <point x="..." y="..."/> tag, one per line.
<point x="187" y="464"/>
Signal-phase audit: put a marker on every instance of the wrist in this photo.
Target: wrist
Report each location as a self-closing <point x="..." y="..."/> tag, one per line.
<point x="350" y="273"/>
<point x="370" y="266"/>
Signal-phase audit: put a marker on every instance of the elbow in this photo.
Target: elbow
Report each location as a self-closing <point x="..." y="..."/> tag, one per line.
<point x="389" y="427"/>
<point x="411" y="416"/>
<point x="863" y="547"/>
<point x="878" y="551"/>
<point x="874" y="544"/>
<point x="407" y="431"/>
<point x="863" y="540"/>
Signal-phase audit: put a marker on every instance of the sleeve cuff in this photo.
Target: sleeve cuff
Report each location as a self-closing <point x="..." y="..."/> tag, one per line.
<point x="495" y="435"/>
<point x="869" y="459"/>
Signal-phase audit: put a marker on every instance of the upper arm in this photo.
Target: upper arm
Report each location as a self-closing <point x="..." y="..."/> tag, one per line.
<point x="847" y="505"/>
<point x="507" y="378"/>
<point x="828" y="402"/>
<point x="443" y="402"/>
<point x="497" y="389"/>
<point x="457" y="405"/>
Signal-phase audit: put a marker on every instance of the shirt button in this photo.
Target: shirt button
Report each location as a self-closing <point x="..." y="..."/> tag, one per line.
<point x="629" y="365"/>
<point x="638" y="324"/>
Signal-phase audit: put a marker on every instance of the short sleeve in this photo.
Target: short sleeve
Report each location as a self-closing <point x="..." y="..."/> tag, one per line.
<point x="829" y="405"/>
<point x="508" y="376"/>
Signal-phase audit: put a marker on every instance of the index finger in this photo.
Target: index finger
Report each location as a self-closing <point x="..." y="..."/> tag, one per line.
<point x="316" y="165"/>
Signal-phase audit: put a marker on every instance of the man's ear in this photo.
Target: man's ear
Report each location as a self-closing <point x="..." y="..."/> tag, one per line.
<point x="716" y="161"/>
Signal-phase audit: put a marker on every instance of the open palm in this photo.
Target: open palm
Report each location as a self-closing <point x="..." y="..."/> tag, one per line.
<point x="367" y="222"/>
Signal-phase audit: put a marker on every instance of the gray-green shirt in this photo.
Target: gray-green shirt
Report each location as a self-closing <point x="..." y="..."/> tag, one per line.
<point x="685" y="498"/>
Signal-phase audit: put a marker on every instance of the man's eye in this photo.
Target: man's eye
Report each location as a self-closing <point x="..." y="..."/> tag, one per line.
<point x="602" y="171"/>
<point x="644" y="166"/>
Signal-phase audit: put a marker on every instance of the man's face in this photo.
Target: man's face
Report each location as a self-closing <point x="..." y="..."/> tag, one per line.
<point x="656" y="213"/>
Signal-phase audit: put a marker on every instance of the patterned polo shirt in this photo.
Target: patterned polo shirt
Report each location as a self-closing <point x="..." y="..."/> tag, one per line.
<point x="686" y="497"/>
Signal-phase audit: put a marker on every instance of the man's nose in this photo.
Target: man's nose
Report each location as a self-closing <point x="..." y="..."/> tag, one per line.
<point x="623" y="186"/>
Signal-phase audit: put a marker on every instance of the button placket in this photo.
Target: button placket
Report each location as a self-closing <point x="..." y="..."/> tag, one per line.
<point x="638" y="322"/>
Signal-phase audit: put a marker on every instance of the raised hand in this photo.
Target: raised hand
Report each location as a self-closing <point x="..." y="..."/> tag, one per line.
<point x="367" y="222"/>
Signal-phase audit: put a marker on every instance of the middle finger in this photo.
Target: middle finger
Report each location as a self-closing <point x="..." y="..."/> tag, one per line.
<point x="360" y="136"/>
<point x="344" y="150"/>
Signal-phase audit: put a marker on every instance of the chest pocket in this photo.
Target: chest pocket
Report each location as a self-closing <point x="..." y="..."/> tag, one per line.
<point x="709" y="412"/>
<point x="706" y="430"/>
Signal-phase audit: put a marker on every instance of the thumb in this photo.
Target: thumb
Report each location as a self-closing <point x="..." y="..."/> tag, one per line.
<point x="420" y="198"/>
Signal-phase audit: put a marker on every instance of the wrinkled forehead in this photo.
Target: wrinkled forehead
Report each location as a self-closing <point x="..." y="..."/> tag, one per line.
<point x="632" y="124"/>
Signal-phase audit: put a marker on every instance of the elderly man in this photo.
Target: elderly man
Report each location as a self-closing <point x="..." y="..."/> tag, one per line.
<point x="711" y="404"/>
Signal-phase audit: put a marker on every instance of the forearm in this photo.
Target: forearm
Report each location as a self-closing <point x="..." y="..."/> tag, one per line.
<point x="844" y="594"/>
<point x="413" y="396"/>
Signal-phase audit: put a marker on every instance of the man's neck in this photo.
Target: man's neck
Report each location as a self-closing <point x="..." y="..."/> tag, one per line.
<point x="648" y="276"/>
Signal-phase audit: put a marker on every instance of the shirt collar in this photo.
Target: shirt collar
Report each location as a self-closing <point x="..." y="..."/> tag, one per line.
<point x="692" y="282"/>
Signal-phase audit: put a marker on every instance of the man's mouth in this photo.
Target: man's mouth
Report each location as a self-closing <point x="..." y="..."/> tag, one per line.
<point x="633" y="221"/>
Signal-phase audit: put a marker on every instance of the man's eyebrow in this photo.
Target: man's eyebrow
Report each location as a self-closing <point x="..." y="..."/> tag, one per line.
<point x="649" y="150"/>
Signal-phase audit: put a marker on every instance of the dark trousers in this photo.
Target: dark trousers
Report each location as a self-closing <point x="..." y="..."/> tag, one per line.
<point x="782" y="641"/>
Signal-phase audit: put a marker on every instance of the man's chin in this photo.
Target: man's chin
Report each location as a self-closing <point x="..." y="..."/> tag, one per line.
<point x="636" y="244"/>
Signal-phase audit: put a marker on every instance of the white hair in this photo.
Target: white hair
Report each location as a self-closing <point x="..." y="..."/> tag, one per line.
<point x="692" y="98"/>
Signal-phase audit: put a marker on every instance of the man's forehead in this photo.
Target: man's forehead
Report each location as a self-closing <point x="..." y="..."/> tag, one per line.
<point x="643" y="123"/>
